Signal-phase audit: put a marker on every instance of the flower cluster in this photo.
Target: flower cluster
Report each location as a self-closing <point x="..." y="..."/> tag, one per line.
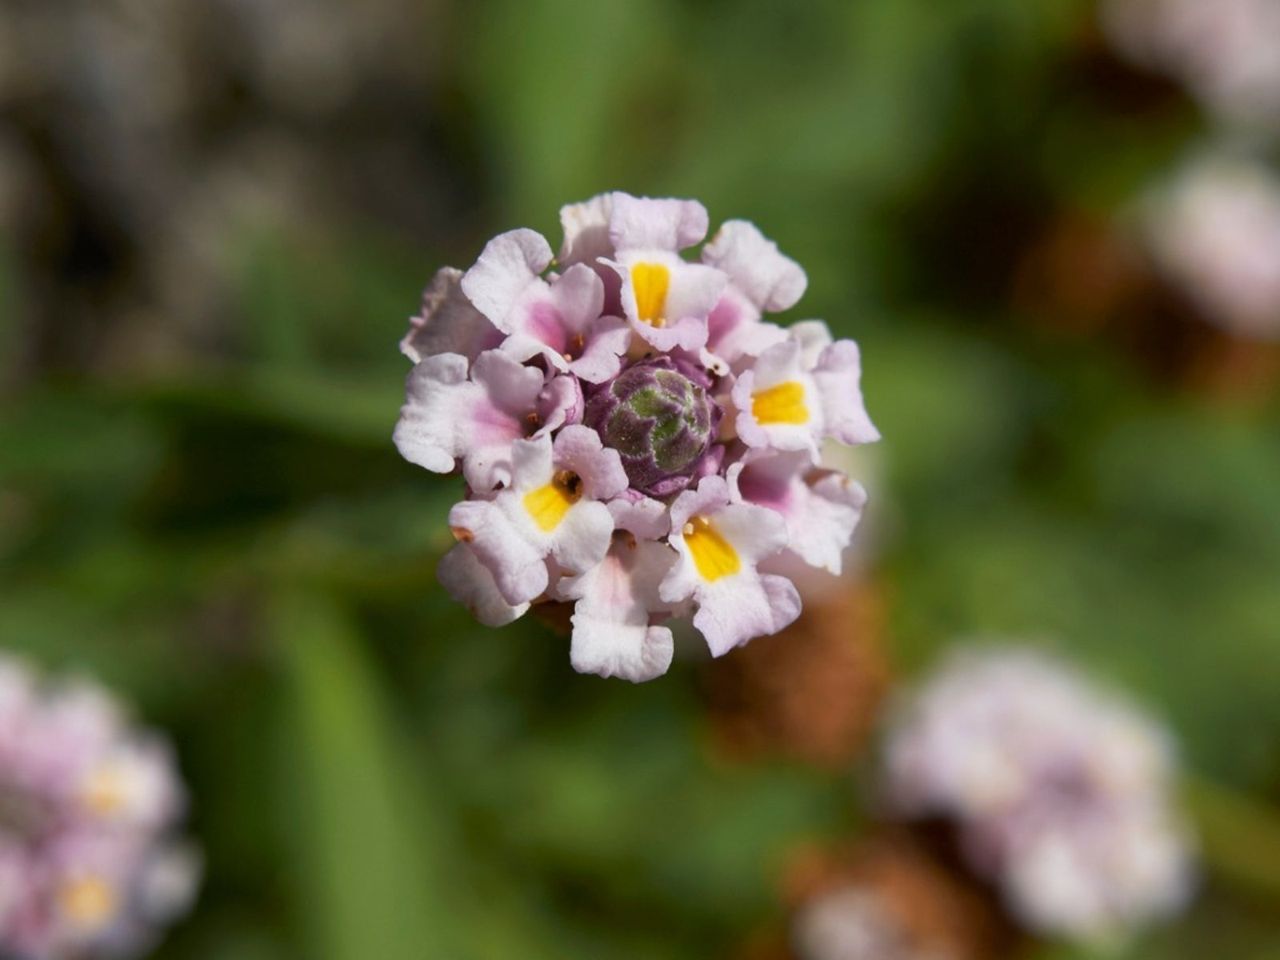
<point x="1214" y="231"/>
<point x="635" y="437"/>
<point x="1060" y="794"/>
<point x="1224" y="51"/>
<point x="88" y="863"/>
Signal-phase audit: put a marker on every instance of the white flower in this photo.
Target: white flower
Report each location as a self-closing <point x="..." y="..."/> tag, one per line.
<point x="1061" y="794"/>
<point x="1225" y="51"/>
<point x="1214" y="230"/>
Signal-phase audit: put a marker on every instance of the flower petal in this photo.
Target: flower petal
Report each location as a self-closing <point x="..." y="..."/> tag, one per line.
<point x="578" y="448"/>
<point x="737" y="609"/>
<point x="586" y="230"/>
<point x="644" y="222"/>
<point x="666" y="299"/>
<point x="507" y="552"/>
<point x="813" y="336"/>
<point x="612" y="635"/>
<point x="837" y="377"/>
<point x="448" y="322"/>
<point x="470" y="583"/>
<point x="581" y="539"/>
<point x="509" y="263"/>
<point x="777" y="403"/>
<point x="606" y="341"/>
<point x="560" y="402"/>
<point x="499" y="417"/>
<point x="579" y="296"/>
<point x="734" y="328"/>
<point x="769" y="280"/>
<point x="438" y="394"/>
<point x="641" y="516"/>
<point x="821" y="507"/>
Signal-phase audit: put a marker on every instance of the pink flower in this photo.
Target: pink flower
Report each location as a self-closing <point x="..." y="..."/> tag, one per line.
<point x="635" y="435"/>
<point x="90" y="809"/>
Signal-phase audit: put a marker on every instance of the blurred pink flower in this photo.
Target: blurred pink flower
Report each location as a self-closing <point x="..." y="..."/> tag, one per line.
<point x="1060" y="793"/>
<point x="88" y="805"/>
<point x="1225" y="51"/>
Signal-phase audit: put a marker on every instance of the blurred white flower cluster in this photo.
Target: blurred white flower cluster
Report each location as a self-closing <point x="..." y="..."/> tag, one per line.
<point x="1060" y="794"/>
<point x="89" y="864"/>
<point x="1214" y="231"/>
<point x="1227" y="52"/>
<point x="1212" y="228"/>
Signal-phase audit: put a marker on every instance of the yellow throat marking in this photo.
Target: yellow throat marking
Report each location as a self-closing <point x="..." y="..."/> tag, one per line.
<point x="104" y="793"/>
<point x="548" y="504"/>
<point x="712" y="554"/>
<point x="650" y="281"/>
<point x="89" y="902"/>
<point x="783" y="403"/>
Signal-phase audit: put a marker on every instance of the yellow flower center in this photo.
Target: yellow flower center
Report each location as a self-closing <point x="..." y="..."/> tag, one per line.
<point x="104" y="792"/>
<point x="548" y="504"/>
<point x="650" y="281"/>
<point x="783" y="403"/>
<point x="712" y="554"/>
<point x="89" y="902"/>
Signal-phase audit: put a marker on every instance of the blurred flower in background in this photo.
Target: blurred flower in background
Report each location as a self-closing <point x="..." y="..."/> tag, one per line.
<point x="885" y="897"/>
<point x="1214" y="231"/>
<point x="1225" y="51"/>
<point x="1060" y="793"/>
<point x="90" y="864"/>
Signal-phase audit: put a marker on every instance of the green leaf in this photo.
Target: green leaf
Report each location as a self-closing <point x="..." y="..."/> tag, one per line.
<point x="366" y="847"/>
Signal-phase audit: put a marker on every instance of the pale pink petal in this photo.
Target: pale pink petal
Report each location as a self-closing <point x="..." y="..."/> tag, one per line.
<point x="755" y="532"/>
<point x="691" y="293"/>
<point x="579" y="297"/>
<point x="586" y="230"/>
<point x="837" y="377"/>
<point x="778" y="365"/>
<point x="438" y="397"/>
<point x="582" y="538"/>
<point x="735" y="330"/>
<point x="769" y="280"/>
<point x="732" y="607"/>
<point x="448" y="322"/>
<point x="641" y="516"/>
<point x="505" y="548"/>
<point x="470" y="583"/>
<point x="612" y="634"/>
<point x="737" y="609"/>
<point x="559" y="403"/>
<point x="821" y="507"/>
<point x="687" y="334"/>
<point x="607" y="341"/>
<point x="709" y="496"/>
<point x="504" y="271"/>
<point x="505" y="414"/>
<point x="813" y="336"/>
<point x="578" y="448"/>
<point x="643" y="222"/>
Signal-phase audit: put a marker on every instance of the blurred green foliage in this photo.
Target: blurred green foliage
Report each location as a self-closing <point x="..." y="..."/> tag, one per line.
<point x="236" y="545"/>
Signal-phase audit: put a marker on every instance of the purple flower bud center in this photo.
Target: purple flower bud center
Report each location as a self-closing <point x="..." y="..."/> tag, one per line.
<point x="661" y="421"/>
